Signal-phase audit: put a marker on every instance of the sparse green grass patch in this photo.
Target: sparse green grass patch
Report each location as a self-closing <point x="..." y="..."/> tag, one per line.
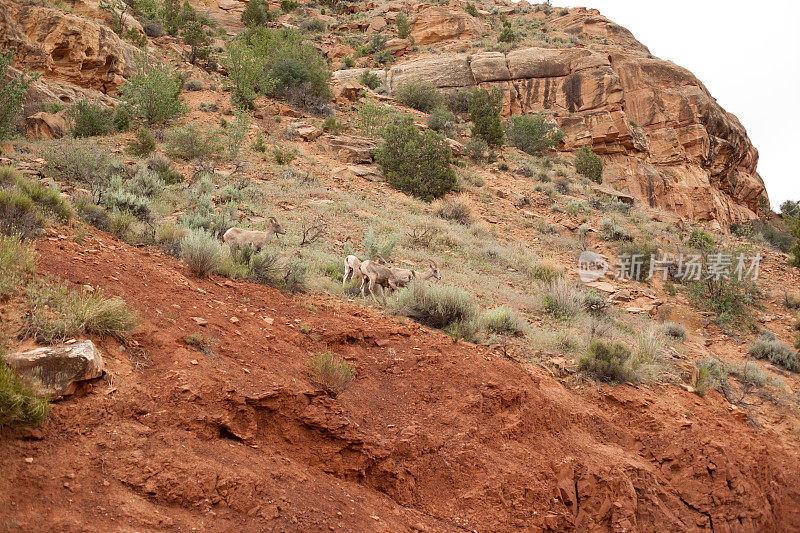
<point x="504" y="321"/>
<point x="57" y="312"/>
<point x="607" y="361"/>
<point x="20" y="406"/>
<point x="331" y="372"/>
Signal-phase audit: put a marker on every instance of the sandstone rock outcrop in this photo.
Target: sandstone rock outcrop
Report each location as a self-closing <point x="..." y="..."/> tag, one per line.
<point x="441" y="23"/>
<point x="65" y="47"/>
<point x="663" y="136"/>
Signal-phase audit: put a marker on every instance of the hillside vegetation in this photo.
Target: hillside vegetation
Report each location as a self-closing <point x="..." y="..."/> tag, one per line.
<point x="115" y="219"/>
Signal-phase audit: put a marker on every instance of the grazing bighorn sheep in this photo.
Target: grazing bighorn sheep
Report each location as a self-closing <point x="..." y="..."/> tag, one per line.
<point x="383" y="276"/>
<point x="352" y="267"/>
<point x="432" y="272"/>
<point x="235" y="237"/>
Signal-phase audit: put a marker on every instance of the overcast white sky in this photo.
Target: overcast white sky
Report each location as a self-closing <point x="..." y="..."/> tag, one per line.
<point x="748" y="56"/>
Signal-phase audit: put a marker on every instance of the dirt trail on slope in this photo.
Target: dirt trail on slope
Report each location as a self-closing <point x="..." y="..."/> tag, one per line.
<point x="432" y="435"/>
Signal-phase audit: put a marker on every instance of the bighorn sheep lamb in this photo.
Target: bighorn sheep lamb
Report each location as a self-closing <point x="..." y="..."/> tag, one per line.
<point x="235" y="237"/>
<point x="377" y="274"/>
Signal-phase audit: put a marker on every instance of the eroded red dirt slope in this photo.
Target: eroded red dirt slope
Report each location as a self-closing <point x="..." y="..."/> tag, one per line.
<point x="432" y="435"/>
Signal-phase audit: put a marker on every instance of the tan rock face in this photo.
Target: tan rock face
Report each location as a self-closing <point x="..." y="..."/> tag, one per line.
<point x="46" y="125"/>
<point x="440" y="23"/>
<point x="663" y="136"/>
<point x="65" y="47"/>
<point x="591" y="23"/>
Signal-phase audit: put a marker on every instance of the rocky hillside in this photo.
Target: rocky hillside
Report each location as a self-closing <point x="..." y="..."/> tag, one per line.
<point x="156" y="376"/>
<point x="663" y="136"/>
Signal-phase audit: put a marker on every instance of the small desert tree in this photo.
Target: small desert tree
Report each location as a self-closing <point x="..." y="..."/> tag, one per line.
<point x="532" y="134"/>
<point x="256" y="13"/>
<point x="484" y="111"/>
<point x="790" y="212"/>
<point x="589" y="165"/>
<point x="416" y="163"/>
<point x="13" y="90"/>
<point x="154" y="93"/>
<point x="196" y="38"/>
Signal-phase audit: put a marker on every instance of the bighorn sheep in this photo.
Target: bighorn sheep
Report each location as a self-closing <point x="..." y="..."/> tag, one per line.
<point x="352" y="267"/>
<point x="235" y="237"/>
<point x="377" y="274"/>
<point x="432" y="272"/>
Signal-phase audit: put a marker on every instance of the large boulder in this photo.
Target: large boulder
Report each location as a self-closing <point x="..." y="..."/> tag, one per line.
<point x="56" y="371"/>
<point x="46" y="125"/>
<point x="440" y="23"/>
<point x="350" y="149"/>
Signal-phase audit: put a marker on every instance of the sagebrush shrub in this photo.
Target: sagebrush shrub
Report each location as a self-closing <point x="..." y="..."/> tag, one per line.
<point x="768" y="346"/>
<point x="89" y="120"/>
<point x="145" y="183"/>
<point x="437" y="306"/>
<point x="589" y="165"/>
<point x="269" y="268"/>
<point x="374" y="249"/>
<point x="194" y="84"/>
<point x="202" y="252"/>
<point x="611" y="231"/>
<point x="443" y="121"/>
<point x="674" y="331"/>
<point x="164" y="169"/>
<point x="416" y="163"/>
<point x="504" y="321"/>
<point x="640" y="253"/>
<point x="123" y="200"/>
<point x="420" y="96"/>
<point x="18" y="214"/>
<point x="190" y="142"/>
<point x="563" y="299"/>
<point x="455" y="210"/>
<point x="476" y="149"/>
<point x="373" y="118"/>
